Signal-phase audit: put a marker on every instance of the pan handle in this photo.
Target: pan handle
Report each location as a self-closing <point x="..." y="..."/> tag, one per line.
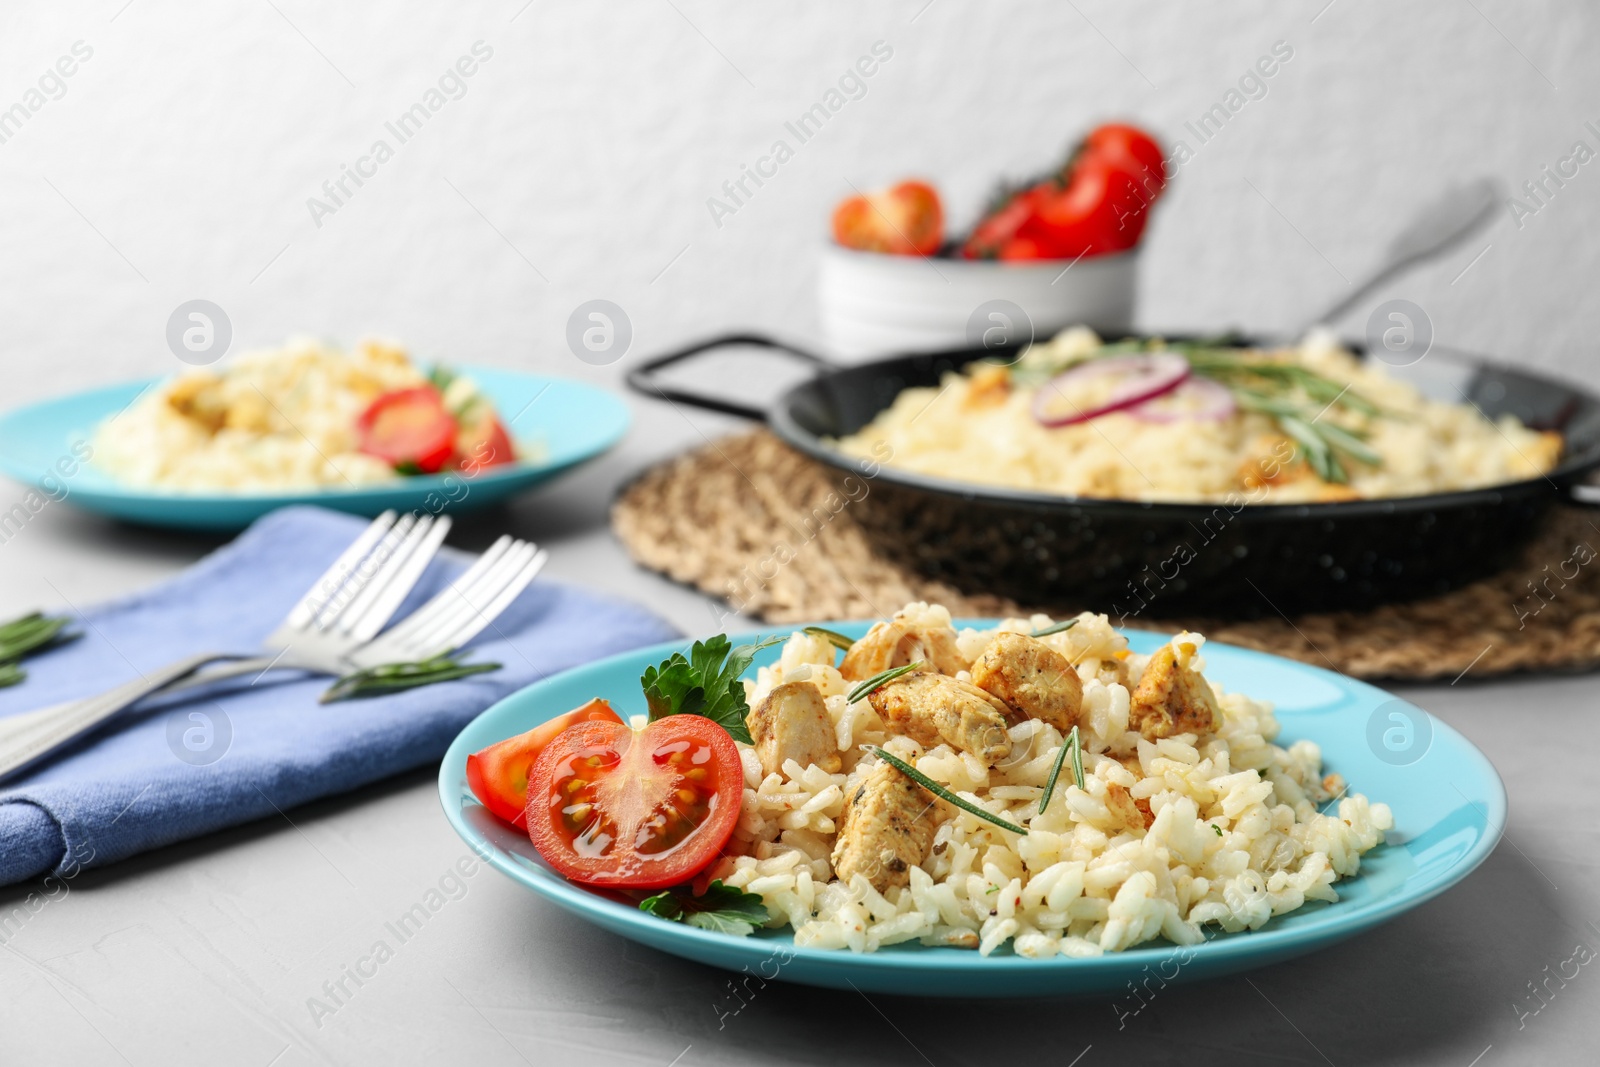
<point x="642" y="379"/>
<point x="1583" y="495"/>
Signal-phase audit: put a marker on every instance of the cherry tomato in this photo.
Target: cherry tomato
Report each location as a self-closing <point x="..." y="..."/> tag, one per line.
<point x="1080" y="219"/>
<point x="645" y="809"/>
<point x="995" y="233"/>
<point x="498" y="775"/>
<point x="1135" y="151"/>
<point x="482" y="441"/>
<point x="906" y="220"/>
<point x="1098" y="203"/>
<point x="408" y="427"/>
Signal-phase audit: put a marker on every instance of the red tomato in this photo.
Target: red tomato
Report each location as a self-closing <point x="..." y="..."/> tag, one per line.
<point x="906" y="220"/>
<point x="1080" y="219"/>
<point x="1134" y="151"/>
<point x="643" y="809"/>
<point x="408" y="427"/>
<point x="1098" y="204"/>
<point x="482" y="442"/>
<point x="1137" y="171"/>
<point x="995" y="233"/>
<point x="498" y="775"/>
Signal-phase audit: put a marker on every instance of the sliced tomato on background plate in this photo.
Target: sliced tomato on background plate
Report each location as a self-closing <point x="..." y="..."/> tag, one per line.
<point x="498" y="775"/>
<point x="482" y="440"/>
<point x="906" y="220"/>
<point x="646" y="809"/>
<point x="409" y="428"/>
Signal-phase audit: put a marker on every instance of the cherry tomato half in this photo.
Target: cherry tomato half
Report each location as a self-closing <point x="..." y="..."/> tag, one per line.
<point x="482" y="442"/>
<point x="408" y="427"/>
<point x="645" y="809"/>
<point x="906" y="220"/>
<point x="498" y="775"/>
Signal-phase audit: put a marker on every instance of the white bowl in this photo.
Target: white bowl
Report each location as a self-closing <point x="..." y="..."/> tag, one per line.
<point x="876" y="305"/>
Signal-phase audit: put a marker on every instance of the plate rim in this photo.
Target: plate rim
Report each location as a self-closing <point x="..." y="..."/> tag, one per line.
<point x="594" y="908"/>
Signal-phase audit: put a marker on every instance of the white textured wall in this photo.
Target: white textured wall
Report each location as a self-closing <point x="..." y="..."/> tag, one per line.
<point x="592" y="139"/>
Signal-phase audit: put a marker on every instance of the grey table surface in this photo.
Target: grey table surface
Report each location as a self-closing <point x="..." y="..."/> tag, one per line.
<point x="212" y="951"/>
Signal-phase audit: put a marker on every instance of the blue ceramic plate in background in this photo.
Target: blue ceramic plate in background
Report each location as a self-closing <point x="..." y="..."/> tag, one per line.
<point x="563" y="422"/>
<point x="1449" y="810"/>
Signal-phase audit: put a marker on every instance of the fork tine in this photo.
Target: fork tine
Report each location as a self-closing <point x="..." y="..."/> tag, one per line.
<point x="430" y="612"/>
<point x="491" y="611"/>
<point x="330" y="581"/>
<point x="465" y="602"/>
<point x="473" y="622"/>
<point x="364" y="571"/>
<point x="396" y="584"/>
<point x="398" y="568"/>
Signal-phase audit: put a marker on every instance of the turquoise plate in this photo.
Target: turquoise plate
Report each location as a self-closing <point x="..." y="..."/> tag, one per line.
<point x="567" y="421"/>
<point x="1449" y="809"/>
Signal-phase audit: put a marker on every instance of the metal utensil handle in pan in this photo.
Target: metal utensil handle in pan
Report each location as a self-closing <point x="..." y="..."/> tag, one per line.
<point x="642" y="379"/>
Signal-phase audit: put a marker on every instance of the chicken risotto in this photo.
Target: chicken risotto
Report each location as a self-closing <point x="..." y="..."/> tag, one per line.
<point x="1037" y="785"/>
<point x="1198" y="422"/>
<point x="303" y="416"/>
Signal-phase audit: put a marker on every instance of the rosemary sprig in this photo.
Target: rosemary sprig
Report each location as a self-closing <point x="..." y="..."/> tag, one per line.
<point x="941" y="792"/>
<point x="1054" y="628"/>
<point x="30" y="633"/>
<point x="833" y="637"/>
<point x="395" y="677"/>
<point x="1075" y="743"/>
<point x="879" y="680"/>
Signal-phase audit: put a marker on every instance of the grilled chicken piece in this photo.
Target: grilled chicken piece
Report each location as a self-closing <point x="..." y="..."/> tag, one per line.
<point x="930" y="708"/>
<point x="1032" y="678"/>
<point x="1132" y="814"/>
<point x="988" y="386"/>
<point x="896" y="643"/>
<point x="792" y="722"/>
<point x="886" y="829"/>
<point x="1173" y="698"/>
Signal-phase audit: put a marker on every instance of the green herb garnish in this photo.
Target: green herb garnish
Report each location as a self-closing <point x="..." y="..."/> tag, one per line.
<point x="441" y="377"/>
<point x="837" y="640"/>
<point x="879" y="680"/>
<point x="1074" y="742"/>
<point x="32" y="633"/>
<point x="11" y="674"/>
<point x="706" y="683"/>
<point x="395" y="677"/>
<point x="1217" y="828"/>
<point x="1276" y="388"/>
<point x="1055" y="628"/>
<point x="722" y="908"/>
<point x="941" y="792"/>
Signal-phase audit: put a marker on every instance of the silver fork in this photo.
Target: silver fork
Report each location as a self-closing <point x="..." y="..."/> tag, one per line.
<point x="344" y="608"/>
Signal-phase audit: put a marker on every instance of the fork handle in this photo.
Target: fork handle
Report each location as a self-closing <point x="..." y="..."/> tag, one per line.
<point x="28" y="738"/>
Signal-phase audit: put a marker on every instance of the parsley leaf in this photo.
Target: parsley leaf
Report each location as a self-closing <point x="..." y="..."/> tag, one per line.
<point x="722" y="908"/>
<point x="705" y="683"/>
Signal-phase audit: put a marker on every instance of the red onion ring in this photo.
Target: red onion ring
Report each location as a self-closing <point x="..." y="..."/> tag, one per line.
<point x="1146" y="376"/>
<point x="1194" y="400"/>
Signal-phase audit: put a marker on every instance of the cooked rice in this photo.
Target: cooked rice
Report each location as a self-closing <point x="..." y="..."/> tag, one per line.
<point x="990" y="437"/>
<point x="1080" y="882"/>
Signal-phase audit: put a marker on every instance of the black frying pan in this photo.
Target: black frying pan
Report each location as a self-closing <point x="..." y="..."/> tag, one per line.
<point x="1131" y="558"/>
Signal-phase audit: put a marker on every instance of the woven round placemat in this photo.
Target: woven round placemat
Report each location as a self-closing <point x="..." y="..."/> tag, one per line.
<point x="726" y="519"/>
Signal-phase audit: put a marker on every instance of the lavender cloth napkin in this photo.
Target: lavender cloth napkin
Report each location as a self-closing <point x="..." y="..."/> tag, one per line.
<point x="243" y="751"/>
